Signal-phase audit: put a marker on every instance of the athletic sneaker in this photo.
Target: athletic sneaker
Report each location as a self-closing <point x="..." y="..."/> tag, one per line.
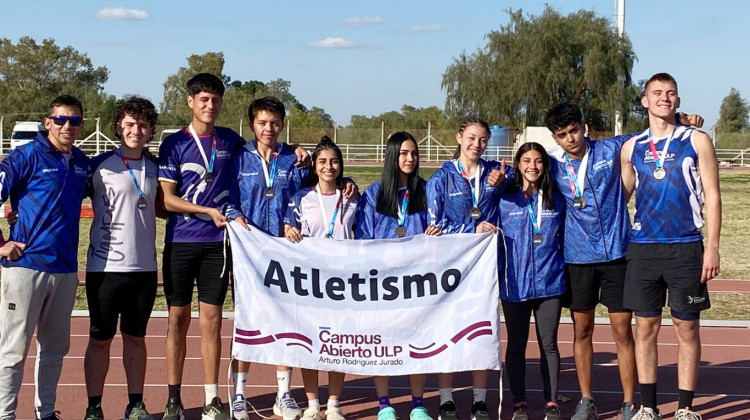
<point x="239" y="408"/>
<point x="312" y="414"/>
<point x="417" y="413"/>
<point x="646" y="413"/>
<point x="388" y="413"/>
<point x="174" y="410"/>
<point x="334" y="413"/>
<point x="627" y="411"/>
<point x="287" y="408"/>
<point x="215" y="411"/>
<point x="448" y="411"/>
<point x="479" y="411"/>
<point x="137" y="412"/>
<point x="94" y="413"/>
<point x="686" y="414"/>
<point x="585" y="410"/>
<point x="521" y="412"/>
<point x="551" y="412"/>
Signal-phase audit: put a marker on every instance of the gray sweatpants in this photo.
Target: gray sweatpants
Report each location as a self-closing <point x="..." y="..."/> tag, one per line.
<point x="33" y="299"/>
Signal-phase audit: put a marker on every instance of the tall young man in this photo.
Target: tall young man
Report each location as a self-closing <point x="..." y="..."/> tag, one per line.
<point x="596" y="237"/>
<point x="674" y="173"/>
<point x="194" y="178"/>
<point x="45" y="181"/>
<point x="121" y="269"/>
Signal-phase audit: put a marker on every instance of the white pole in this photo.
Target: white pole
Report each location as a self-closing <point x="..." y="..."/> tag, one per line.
<point x="429" y="140"/>
<point x="2" y="117"/>
<point x="97" y="136"/>
<point x="288" y="126"/>
<point x="620" y="32"/>
<point x="240" y="127"/>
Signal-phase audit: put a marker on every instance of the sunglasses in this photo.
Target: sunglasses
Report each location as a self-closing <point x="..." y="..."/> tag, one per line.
<point x="60" y="120"/>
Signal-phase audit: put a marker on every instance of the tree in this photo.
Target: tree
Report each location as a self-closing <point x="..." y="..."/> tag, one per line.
<point x="410" y="118"/>
<point x="174" y="106"/>
<point x="535" y="62"/>
<point x="33" y="74"/>
<point x="733" y="114"/>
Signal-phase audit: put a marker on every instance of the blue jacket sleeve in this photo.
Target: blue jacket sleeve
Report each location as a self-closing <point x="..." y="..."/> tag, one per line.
<point x="15" y="170"/>
<point x="365" y="227"/>
<point x="292" y="217"/>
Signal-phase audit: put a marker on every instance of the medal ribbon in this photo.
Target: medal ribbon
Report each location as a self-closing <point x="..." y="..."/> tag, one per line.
<point x="269" y="175"/>
<point x="536" y="223"/>
<point x="325" y="214"/>
<point x="660" y="160"/>
<point x="475" y="187"/>
<point x="132" y="175"/>
<point x="209" y="164"/>
<point x="402" y="209"/>
<point x="577" y="181"/>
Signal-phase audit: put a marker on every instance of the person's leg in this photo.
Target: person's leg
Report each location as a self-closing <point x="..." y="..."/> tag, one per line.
<point x="613" y="291"/>
<point x="418" y="410"/>
<point x="212" y="284"/>
<point x="517" y="321"/>
<point x="445" y="388"/>
<point x="547" y="317"/>
<point x="688" y="355"/>
<point x="177" y="326"/>
<point x="310" y="382"/>
<point x="103" y="315"/>
<point x="179" y="269"/>
<point x="210" y="323"/>
<point x="335" y="387"/>
<point x="141" y="294"/>
<point x="53" y="338"/>
<point x="285" y="406"/>
<point x="646" y="355"/>
<point x="22" y="298"/>
<point x="583" y="348"/>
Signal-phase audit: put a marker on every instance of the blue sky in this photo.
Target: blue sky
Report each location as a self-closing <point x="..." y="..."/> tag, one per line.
<point x="369" y="57"/>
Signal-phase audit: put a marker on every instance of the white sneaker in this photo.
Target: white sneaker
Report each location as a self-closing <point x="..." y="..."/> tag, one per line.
<point x="334" y="414"/>
<point x="686" y="414"/>
<point x="646" y="413"/>
<point x="287" y="408"/>
<point x="312" y="414"/>
<point x="239" y="408"/>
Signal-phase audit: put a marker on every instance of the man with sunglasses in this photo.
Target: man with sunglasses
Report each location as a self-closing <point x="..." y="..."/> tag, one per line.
<point x="45" y="181"/>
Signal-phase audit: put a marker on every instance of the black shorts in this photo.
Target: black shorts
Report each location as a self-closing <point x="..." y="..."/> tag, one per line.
<point x="591" y="284"/>
<point x="206" y="264"/>
<point x="655" y="269"/>
<point x="127" y="295"/>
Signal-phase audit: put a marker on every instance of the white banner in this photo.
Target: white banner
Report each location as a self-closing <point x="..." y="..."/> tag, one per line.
<point x="422" y="304"/>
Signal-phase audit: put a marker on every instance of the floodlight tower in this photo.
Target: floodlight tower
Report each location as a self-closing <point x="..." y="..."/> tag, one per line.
<point x="620" y="17"/>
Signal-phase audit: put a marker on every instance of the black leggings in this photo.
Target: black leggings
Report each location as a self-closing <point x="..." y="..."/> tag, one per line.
<point x="517" y="322"/>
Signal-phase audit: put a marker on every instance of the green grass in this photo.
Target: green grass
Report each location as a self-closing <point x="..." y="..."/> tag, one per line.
<point x="735" y="234"/>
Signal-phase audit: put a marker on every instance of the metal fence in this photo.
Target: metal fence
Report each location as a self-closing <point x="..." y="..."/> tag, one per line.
<point x="368" y="144"/>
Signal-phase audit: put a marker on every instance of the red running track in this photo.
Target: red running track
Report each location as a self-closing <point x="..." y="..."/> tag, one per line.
<point x="723" y="391"/>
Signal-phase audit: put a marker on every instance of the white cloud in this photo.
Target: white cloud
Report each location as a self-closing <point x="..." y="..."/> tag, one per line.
<point x="121" y="13"/>
<point x="356" y="22"/>
<point x="427" y="28"/>
<point x="334" y="42"/>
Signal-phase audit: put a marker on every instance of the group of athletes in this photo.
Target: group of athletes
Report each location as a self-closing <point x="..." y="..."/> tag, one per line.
<point x="566" y="241"/>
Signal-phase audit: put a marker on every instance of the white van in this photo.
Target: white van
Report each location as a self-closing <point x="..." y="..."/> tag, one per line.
<point x="24" y="132"/>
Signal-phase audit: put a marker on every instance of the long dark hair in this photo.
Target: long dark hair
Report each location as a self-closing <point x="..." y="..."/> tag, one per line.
<point x="388" y="200"/>
<point x="545" y="184"/>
